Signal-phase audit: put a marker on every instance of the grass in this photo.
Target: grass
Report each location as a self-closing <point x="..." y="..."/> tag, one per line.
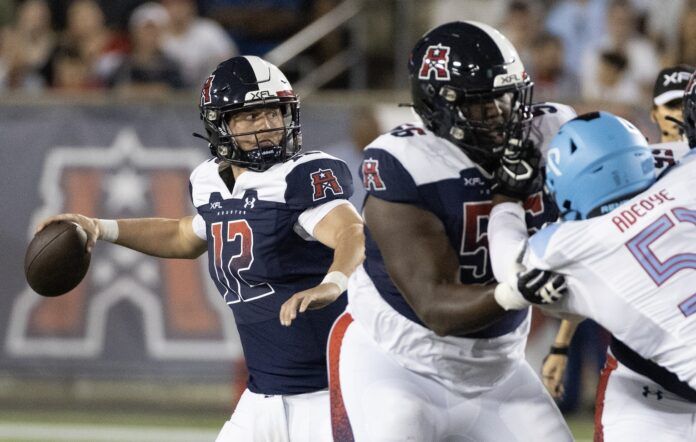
<point x="156" y="424"/>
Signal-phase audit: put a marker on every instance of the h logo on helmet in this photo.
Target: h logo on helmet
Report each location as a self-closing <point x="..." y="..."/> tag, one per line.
<point x="435" y="60"/>
<point x="205" y="93"/>
<point x="323" y="180"/>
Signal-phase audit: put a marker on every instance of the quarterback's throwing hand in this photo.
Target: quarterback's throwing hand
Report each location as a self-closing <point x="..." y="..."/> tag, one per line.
<point x="89" y="225"/>
<point x="311" y="299"/>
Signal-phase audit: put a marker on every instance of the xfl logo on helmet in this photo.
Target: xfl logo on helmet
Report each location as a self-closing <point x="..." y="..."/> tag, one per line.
<point x="257" y="95"/>
<point x="504" y="80"/>
<point x="435" y="60"/>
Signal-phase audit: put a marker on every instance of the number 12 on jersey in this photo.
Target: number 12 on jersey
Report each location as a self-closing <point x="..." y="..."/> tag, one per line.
<point x="233" y="254"/>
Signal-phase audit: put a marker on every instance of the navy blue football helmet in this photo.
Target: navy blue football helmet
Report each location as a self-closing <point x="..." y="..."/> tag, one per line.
<point x="242" y="84"/>
<point x="469" y="86"/>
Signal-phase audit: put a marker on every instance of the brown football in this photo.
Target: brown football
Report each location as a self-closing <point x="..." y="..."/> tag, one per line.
<point x="56" y="259"/>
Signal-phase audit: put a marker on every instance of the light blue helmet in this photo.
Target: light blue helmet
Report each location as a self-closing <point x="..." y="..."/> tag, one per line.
<point x="596" y="161"/>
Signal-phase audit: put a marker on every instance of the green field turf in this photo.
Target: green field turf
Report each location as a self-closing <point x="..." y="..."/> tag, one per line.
<point x="143" y="426"/>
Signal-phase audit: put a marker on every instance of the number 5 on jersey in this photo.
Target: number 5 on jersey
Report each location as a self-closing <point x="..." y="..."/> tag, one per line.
<point x="234" y="254"/>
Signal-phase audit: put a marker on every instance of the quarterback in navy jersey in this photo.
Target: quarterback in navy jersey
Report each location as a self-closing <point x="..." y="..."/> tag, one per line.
<point x="281" y="238"/>
<point x="423" y="351"/>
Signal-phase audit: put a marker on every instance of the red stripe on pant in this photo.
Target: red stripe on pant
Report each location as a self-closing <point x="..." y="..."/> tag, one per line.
<point x="340" y="424"/>
<point x="609" y="366"/>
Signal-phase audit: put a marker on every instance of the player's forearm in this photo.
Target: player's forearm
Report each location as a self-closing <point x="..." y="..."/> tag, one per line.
<point x="449" y="308"/>
<point x="507" y="235"/>
<point x="565" y="333"/>
<point x="350" y="250"/>
<point x="160" y="237"/>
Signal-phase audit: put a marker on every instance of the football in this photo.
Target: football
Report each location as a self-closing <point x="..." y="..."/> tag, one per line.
<point x="56" y="259"/>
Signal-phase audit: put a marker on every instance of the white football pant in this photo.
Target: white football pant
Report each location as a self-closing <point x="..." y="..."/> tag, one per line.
<point x="277" y="418"/>
<point x="630" y="407"/>
<point x="373" y="398"/>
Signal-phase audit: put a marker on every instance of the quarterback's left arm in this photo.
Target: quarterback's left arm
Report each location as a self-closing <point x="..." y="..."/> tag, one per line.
<point x="342" y="230"/>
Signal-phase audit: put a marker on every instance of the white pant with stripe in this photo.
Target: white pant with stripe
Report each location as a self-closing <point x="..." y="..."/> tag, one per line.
<point x="630" y="407"/>
<point x="374" y="397"/>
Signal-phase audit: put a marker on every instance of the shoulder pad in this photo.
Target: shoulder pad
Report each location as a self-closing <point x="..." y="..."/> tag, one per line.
<point x="667" y="154"/>
<point x="205" y="180"/>
<point x="547" y="119"/>
<point x="315" y="178"/>
<point x="425" y="157"/>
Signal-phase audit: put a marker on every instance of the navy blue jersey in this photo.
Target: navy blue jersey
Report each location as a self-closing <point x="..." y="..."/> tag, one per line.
<point x="259" y="257"/>
<point x="412" y="165"/>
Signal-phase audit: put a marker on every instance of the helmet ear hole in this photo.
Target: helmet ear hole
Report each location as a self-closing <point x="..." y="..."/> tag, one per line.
<point x="430" y="90"/>
<point x="573" y="147"/>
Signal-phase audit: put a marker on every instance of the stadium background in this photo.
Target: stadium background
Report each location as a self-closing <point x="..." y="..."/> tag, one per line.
<point x="143" y="349"/>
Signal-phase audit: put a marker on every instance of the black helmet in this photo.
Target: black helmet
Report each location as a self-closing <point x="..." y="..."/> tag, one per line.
<point x="689" y="110"/>
<point x="458" y="72"/>
<point x="241" y="84"/>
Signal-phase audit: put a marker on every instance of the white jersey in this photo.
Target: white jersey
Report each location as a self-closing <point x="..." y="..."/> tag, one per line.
<point x="633" y="270"/>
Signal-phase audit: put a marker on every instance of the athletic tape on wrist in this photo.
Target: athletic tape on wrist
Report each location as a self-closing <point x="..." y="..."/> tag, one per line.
<point x="508" y="298"/>
<point x="337" y="278"/>
<point x="108" y="229"/>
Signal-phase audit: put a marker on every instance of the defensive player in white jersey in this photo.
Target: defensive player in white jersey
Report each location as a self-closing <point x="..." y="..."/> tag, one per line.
<point x="269" y="218"/>
<point x="667" y="114"/>
<point x="423" y="352"/>
<point x="627" y="250"/>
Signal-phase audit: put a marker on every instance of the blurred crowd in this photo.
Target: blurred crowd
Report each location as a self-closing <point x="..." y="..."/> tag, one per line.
<point x="601" y="50"/>
<point x="590" y="50"/>
<point x="136" y="46"/>
<point x="575" y="50"/>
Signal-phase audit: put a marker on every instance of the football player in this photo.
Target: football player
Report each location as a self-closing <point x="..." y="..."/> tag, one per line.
<point x="423" y="351"/>
<point x="667" y="113"/>
<point x="627" y="252"/>
<point x="281" y="237"/>
<point x="689" y="111"/>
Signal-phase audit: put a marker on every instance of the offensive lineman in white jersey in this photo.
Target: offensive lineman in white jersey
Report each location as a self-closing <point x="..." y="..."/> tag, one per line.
<point x="627" y="252"/>
<point x="666" y="112"/>
<point x="423" y="352"/>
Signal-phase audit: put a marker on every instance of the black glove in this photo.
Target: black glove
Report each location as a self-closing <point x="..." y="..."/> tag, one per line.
<point x="541" y="286"/>
<point x="518" y="174"/>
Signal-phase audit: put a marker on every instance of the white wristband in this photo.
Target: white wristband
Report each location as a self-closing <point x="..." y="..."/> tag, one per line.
<point x="108" y="229"/>
<point x="508" y="298"/>
<point x="337" y="278"/>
